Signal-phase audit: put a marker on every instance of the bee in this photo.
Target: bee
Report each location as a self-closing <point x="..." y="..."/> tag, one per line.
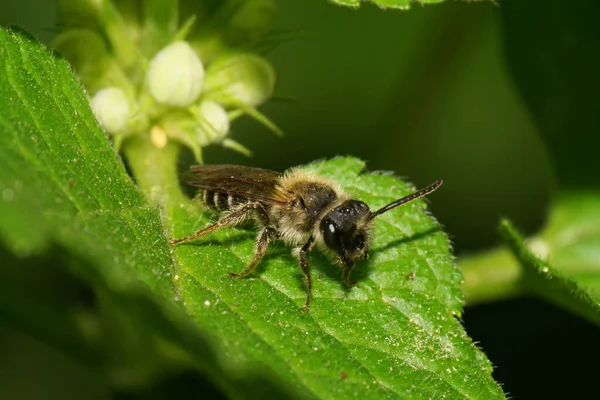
<point x="298" y="207"/>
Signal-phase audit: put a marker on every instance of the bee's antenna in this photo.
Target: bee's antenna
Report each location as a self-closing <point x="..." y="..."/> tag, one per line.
<point x="418" y="194"/>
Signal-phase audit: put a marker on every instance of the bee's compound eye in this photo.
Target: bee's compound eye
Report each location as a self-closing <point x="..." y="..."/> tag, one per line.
<point x="330" y="234"/>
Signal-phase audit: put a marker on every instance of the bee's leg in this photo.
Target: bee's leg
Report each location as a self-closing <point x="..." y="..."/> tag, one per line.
<point x="348" y="265"/>
<point x="306" y="270"/>
<point x="260" y="247"/>
<point x="232" y="218"/>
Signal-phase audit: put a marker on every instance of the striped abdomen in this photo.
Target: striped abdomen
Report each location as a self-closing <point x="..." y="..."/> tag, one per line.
<point x="221" y="201"/>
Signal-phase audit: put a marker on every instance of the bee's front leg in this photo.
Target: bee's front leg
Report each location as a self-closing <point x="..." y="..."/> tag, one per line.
<point x="348" y="265"/>
<point x="306" y="270"/>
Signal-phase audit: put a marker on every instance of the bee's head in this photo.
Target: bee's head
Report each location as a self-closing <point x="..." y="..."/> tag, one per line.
<point x="345" y="230"/>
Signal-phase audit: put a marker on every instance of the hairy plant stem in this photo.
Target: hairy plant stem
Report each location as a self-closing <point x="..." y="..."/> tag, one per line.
<point x="491" y="276"/>
<point x="155" y="171"/>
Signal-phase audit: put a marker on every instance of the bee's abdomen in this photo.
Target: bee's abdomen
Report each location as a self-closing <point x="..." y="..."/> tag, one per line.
<point x="221" y="201"/>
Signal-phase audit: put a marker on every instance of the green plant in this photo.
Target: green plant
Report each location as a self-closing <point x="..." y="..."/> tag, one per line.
<point x="88" y="270"/>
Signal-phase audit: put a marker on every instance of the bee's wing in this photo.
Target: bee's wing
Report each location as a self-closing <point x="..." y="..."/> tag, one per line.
<point x="251" y="183"/>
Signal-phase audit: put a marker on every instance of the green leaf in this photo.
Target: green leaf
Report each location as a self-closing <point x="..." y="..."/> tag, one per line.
<point x="571" y="239"/>
<point x="552" y="49"/>
<point x="393" y="4"/>
<point x="62" y="186"/>
<point x="562" y="264"/>
<point x="384" y="335"/>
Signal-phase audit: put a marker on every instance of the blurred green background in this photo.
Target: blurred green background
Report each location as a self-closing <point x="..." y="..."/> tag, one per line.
<point x="426" y="94"/>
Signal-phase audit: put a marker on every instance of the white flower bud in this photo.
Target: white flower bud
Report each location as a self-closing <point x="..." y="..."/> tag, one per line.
<point x="240" y="79"/>
<point x="176" y="75"/>
<point x="111" y="108"/>
<point x="214" y="122"/>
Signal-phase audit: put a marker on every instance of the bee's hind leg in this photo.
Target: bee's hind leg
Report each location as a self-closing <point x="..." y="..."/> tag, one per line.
<point x="260" y="247"/>
<point x="232" y="218"/>
<point x="199" y="234"/>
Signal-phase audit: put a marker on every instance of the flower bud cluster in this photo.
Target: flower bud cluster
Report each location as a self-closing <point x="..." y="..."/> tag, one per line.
<point x="147" y="71"/>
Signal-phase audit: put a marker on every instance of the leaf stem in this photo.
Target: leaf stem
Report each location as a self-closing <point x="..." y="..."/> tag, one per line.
<point x="490" y="276"/>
